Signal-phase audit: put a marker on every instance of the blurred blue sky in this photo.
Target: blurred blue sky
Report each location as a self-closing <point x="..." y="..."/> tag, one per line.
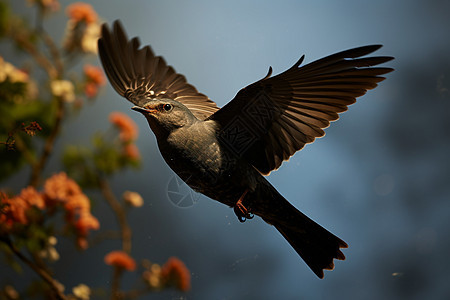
<point x="379" y="179"/>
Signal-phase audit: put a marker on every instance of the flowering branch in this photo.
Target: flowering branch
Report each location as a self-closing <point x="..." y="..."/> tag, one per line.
<point x="54" y="71"/>
<point x="26" y="227"/>
<point x="41" y="272"/>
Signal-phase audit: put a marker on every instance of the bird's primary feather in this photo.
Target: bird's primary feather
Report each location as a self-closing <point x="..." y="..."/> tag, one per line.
<point x="139" y="76"/>
<point x="291" y="109"/>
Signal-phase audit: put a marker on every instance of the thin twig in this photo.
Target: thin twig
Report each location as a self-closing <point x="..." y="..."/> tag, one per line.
<point x="41" y="272"/>
<point x="54" y="51"/>
<point x="125" y="230"/>
<point x="14" y="142"/>
<point x="104" y="235"/>
<point x="37" y="56"/>
<point x="115" y="286"/>
<point x="133" y="294"/>
<point x="23" y="149"/>
<point x="49" y="144"/>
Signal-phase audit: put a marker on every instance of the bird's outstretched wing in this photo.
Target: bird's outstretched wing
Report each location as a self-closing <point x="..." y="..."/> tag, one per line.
<point x="138" y="75"/>
<point x="271" y="119"/>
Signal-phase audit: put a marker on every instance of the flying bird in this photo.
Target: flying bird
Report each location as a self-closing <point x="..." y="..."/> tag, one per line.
<point x="225" y="153"/>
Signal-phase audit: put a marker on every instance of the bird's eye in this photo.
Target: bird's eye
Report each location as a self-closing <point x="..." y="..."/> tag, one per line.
<point x="167" y="107"/>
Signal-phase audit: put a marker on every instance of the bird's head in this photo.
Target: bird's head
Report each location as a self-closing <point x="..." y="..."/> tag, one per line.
<point x="166" y="115"/>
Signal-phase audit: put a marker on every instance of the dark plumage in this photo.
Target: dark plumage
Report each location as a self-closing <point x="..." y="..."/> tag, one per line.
<point x="223" y="153"/>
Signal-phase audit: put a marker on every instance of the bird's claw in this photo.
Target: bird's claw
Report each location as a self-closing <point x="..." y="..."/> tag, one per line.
<point x="241" y="211"/>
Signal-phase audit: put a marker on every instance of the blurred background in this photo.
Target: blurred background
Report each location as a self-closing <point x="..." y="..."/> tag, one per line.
<point x="380" y="179"/>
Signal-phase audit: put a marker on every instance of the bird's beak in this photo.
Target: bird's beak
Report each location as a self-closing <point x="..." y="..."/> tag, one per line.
<point x="143" y="110"/>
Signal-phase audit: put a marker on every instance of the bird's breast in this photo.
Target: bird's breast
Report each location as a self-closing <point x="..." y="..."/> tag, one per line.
<point x="199" y="160"/>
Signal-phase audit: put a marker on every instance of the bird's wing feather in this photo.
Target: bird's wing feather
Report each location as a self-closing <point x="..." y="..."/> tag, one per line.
<point x="139" y="76"/>
<point x="271" y="119"/>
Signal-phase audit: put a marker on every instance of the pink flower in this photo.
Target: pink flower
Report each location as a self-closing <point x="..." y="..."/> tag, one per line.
<point x="120" y="259"/>
<point x="175" y="272"/>
<point x="128" y="129"/>
<point x="80" y="11"/>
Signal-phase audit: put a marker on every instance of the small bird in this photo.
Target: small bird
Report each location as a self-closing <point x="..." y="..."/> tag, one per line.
<point x="224" y="153"/>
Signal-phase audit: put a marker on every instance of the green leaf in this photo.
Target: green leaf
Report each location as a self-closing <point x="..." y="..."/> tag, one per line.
<point x="12" y="91"/>
<point x="13" y="115"/>
<point x="78" y="162"/>
<point x="11" y="161"/>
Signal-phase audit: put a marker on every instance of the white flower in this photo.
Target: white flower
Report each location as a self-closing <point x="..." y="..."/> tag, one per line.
<point x="81" y="291"/>
<point x="63" y="89"/>
<point x="7" y="70"/>
<point x="90" y="38"/>
<point x="81" y="36"/>
<point x="50" y="252"/>
<point x="133" y="199"/>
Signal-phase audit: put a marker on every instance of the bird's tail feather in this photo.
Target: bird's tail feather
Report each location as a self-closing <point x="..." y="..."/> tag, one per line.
<point x="316" y="246"/>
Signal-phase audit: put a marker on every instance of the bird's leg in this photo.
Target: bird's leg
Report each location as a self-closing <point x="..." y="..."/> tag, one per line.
<point x="241" y="211"/>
